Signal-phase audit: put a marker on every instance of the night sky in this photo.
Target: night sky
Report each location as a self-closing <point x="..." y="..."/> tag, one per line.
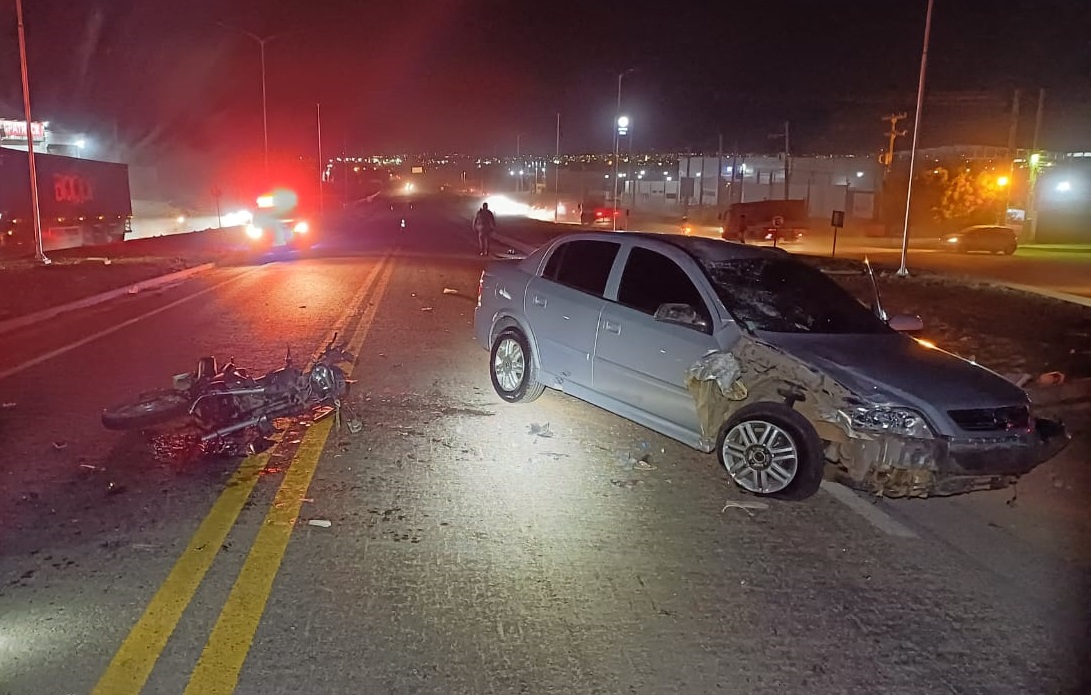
<point x="470" y="75"/>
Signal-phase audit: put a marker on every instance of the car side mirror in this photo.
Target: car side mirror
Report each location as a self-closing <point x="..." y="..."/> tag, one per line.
<point x="681" y="314"/>
<point x="904" y="323"/>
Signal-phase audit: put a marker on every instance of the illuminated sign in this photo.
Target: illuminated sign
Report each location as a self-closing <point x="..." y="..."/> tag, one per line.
<point x="17" y="130"/>
<point x="71" y="188"/>
<point x="418" y="170"/>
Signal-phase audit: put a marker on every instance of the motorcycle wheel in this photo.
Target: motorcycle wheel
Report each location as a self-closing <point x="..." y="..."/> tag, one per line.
<point x="152" y="408"/>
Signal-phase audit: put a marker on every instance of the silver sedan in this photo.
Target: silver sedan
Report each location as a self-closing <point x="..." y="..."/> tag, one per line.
<point x="753" y="354"/>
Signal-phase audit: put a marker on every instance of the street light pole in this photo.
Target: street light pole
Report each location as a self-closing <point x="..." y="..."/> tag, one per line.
<point x="617" y="140"/>
<point x="261" y="41"/>
<point x="902" y="270"/>
<point x="35" y="210"/>
<point x="557" y="174"/>
<point x="264" y="109"/>
<point x="321" y="170"/>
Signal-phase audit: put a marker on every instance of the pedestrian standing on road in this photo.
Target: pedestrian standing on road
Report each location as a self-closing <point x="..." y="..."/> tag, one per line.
<point x="484" y="225"/>
<point x="742" y="228"/>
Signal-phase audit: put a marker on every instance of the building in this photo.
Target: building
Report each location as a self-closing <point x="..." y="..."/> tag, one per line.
<point x="827" y="183"/>
<point x="13" y="134"/>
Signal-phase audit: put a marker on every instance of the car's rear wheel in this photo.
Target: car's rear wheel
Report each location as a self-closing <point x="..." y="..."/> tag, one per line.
<point x="770" y="449"/>
<point x="1010" y="248"/>
<point x="512" y="368"/>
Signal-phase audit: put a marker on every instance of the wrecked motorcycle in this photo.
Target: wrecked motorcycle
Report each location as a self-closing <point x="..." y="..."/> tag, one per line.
<point x="224" y="410"/>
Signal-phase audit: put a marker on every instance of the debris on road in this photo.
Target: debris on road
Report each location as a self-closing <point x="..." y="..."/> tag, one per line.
<point x="448" y="290"/>
<point x="321" y="523"/>
<point x="90" y="467"/>
<point x="426" y="308"/>
<point x="748" y="506"/>
<point x="540" y="430"/>
<point x="7" y="406"/>
<point x="115" y="489"/>
<point x="1051" y="379"/>
<point x="643" y="465"/>
<point x="60" y="445"/>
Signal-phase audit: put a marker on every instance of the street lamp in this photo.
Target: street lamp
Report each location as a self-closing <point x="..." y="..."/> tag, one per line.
<point x="617" y="135"/>
<point x="622" y="129"/>
<point x="261" y="41"/>
<point x="35" y="210"/>
<point x="902" y="270"/>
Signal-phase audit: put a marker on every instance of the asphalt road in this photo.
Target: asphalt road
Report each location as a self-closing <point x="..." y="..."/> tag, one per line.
<point x="465" y="554"/>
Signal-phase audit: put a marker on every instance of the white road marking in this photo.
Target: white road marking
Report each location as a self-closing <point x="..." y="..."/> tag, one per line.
<point x="113" y="329"/>
<point x="875" y="516"/>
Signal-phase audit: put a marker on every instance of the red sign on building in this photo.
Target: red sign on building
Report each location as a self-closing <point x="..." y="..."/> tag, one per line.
<point x="17" y="130"/>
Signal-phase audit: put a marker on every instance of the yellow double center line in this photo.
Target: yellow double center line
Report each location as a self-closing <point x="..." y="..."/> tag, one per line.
<point x="221" y="661"/>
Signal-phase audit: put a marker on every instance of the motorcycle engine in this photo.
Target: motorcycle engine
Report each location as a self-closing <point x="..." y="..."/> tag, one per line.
<point x="327" y="381"/>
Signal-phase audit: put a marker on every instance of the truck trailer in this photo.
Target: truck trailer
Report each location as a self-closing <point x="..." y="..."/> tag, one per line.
<point x="81" y="202"/>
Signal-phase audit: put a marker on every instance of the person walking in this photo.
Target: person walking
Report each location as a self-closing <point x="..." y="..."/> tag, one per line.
<point x="484" y="225"/>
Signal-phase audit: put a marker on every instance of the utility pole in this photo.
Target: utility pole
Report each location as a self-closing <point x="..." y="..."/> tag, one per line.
<point x="1012" y="130"/>
<point x="519" y="161"/>
<point x="734" y="174"/>
<point x="1035" y="166"/>
<point x="719" y="166"/>
<point x="893" y="134"/>
<point x="787" y="158"/>
<point x="903" y="271"/>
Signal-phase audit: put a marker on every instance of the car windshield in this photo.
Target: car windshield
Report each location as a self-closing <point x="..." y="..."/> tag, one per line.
<point x="786" y="296"/>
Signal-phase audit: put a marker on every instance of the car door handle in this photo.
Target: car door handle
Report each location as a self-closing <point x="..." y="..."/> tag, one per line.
<point x="612" y="327"/>
<point x="540" y="301"/>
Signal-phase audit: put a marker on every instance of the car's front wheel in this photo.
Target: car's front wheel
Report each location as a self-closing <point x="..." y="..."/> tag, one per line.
<point x="771" y="449"/>
<point x="512" y="368"/>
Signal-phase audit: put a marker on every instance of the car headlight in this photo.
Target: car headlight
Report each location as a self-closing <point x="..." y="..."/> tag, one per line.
<point x="301" y="227"/>
<point x="253" y="231"/>
<point x="883" y="418"/>
<point x="953" y="240"/>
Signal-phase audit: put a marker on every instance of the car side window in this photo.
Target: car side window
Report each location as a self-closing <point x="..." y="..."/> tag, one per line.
<point x="650" y="279"/>
<point x="583" y="265"/>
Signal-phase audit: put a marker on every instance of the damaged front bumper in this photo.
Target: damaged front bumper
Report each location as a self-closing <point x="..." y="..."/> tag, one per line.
<point x="898" y="466"/>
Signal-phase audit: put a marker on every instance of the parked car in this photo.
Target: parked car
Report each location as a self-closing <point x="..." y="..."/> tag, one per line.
<point x="983" y="237"/>
<point x="762" y="358"/>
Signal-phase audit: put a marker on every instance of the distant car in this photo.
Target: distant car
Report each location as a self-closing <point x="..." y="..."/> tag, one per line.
<point x="983" y="237"/>
<point x="626" y="322"/>
<point x="771" y="234"/>
<point x="604" y="217"/>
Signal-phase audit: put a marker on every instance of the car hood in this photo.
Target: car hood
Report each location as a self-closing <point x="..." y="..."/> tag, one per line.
<point x="895" y="368"/>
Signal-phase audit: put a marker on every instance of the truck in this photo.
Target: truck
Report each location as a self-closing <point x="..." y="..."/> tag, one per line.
<point x="766" y="220"/>
<point x="81" y="202"/>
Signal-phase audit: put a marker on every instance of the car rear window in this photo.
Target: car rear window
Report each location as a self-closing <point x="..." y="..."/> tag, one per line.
<point x="583" y="265"/>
